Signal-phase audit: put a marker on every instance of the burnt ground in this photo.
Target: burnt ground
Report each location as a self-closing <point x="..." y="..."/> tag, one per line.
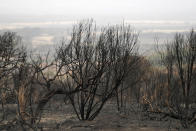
<point x="58" y="117"/>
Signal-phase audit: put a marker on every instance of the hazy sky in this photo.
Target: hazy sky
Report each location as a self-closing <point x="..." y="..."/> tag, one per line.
<point x="134" y="9"/>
